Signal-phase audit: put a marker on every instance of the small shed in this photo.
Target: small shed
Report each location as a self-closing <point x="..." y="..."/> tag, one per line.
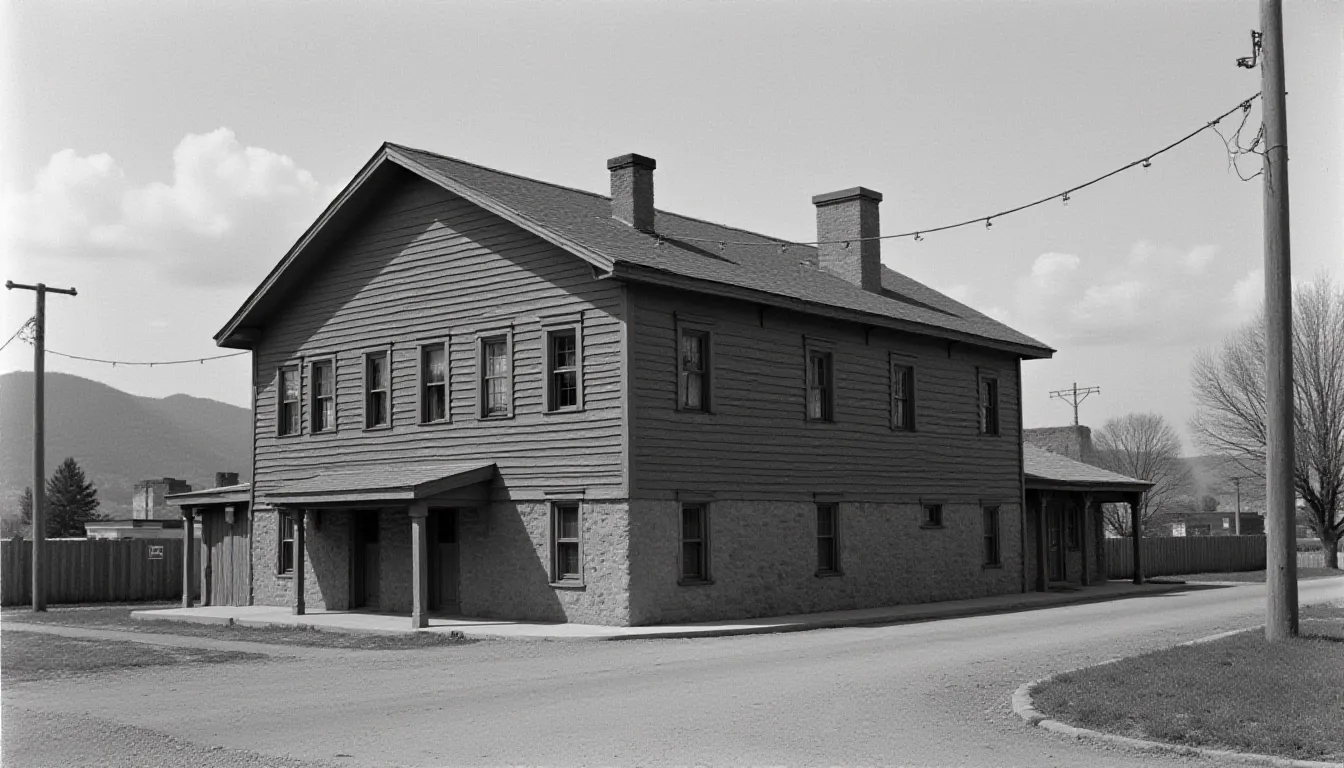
<point x="225" y="542"/>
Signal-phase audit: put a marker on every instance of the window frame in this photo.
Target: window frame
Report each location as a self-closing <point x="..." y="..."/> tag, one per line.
<point x="992" y="532"/>
<point x="704" y="328"/>
<point x="815" y="348"/>
<point x="558" y="507"/>
<point x="295" y="368"/>
<point x="368" y="392"/>
<point x="705" y="575"/>
<point x="313" y="397"/>
<point x="833" y="540"/>
<point x="483" y="338"/>
<point x="932" y="522"/>
<point x="285" y="522"/>
<point x="983" y="425"/>
<point x="551" y="331"/>
<point x="1073" y="535"/>
<point x="422" y="383"/>
<point x="907" y="367"/>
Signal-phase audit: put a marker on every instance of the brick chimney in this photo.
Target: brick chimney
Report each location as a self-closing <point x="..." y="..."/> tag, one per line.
<point x="632" y="190"/>
<point x="223" y="479"/>
<point x="849" y="215"/>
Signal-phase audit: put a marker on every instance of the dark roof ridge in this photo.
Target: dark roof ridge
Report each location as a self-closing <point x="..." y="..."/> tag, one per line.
<point x="772" y="238"/>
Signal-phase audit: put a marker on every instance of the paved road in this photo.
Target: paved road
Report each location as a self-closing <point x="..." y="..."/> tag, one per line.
<point x="927" y="694"/>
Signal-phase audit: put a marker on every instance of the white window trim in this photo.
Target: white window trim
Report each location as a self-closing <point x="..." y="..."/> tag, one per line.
<point x="311" y="389"/>
<point x="297" y="367"/>
<point x="364" y="387"/>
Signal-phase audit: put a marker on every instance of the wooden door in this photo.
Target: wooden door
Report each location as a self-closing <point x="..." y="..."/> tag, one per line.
<point x="240" y="536"/>
<point x="1055" y="541"/>
<point x="212" y="555"/>
<point x="443" y="561"/>
<point x="364" y="560"/>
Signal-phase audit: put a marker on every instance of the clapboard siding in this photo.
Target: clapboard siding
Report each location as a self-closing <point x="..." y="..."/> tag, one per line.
<point x="425" y="267"/>
<point x="757" y="443"/>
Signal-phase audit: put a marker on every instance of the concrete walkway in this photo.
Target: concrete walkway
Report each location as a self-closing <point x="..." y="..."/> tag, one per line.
<point x="382" y="623"/>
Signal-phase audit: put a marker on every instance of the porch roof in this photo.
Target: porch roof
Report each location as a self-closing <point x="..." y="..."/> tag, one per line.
<point x="377" y="484"/>
<point x="1047" y="470"/>
<point x="228" y="494"/>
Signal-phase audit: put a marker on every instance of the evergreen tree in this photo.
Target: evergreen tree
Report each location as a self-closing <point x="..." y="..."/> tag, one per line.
<point x="71" y="500"/>
<point x="26" y="508"/>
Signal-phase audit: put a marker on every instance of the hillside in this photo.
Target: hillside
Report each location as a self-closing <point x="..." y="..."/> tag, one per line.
<point x="118" y="438"/>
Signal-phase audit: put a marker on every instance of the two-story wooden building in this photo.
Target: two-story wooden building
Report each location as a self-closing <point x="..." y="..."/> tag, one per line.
<point x="491" y="396"/>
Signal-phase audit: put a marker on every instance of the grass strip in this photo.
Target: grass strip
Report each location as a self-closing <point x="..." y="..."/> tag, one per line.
<point x="1240" y="693"/>
<point x="35" y="656"/>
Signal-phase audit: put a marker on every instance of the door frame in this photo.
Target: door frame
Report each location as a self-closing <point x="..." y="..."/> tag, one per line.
<point x="1056" y="556"/>
<point x="438" y="518"/>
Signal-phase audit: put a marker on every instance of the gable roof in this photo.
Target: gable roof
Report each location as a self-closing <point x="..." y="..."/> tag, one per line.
<point x="776" y="273"/>
<point x="1044" y="469"/>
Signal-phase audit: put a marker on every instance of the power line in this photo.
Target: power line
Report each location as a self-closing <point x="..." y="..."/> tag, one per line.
<point x="918" y="234"/>
<point x="26" y="325"/>
<point x="115" y="363"/>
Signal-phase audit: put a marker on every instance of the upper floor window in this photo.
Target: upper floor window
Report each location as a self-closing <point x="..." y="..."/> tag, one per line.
<point x="820" y="386"/>
<point x="989" y="405"/>
<point x="828" y="540"/>
<point x="323" y="406"/>
<point x="693" y="370"/>
<point x="496" y="378"/>
<point x="566" y="553"/>
<point x="377" y="390"/>
<point x="287" y="416"/>
<point x="902" y="396"/>
<point x="562" y="362"/>
<point x="433" y="383"/>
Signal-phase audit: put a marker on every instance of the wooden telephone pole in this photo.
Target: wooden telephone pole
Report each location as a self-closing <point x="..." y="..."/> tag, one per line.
<point x="1280" y="508"/>
<point x="39" y="438"/>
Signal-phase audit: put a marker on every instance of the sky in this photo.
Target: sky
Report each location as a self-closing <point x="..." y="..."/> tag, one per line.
<point x="161" y="157"/>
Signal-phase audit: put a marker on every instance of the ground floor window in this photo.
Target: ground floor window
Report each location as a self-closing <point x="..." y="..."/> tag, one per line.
<point x="1073" y="527"/>
<point x="694" y="543"/>
<point x="285" y="557"/>
<point x="992" y="554"/>
<point x="828" y="540"/>
<point x="566" y="557"/>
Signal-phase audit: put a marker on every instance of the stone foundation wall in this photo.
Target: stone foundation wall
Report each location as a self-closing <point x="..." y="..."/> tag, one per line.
<point x="763" y="559"/>
<point x="326" y="571"/>
<point x="506" y="564"/>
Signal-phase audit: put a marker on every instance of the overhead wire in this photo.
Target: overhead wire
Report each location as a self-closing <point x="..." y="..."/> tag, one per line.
<point x="988" y="221"/>
<point x="22" y="328"/>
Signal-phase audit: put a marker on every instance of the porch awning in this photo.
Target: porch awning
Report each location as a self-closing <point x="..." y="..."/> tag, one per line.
<point x="377" y="484"/>
<point x="1047" y="470"/>
<point x="229" y="494"/>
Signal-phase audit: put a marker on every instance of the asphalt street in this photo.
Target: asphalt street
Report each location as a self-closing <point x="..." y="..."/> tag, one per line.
<point x="929" y="694"/>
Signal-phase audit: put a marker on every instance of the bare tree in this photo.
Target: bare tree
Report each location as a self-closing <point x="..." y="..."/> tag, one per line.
<point x="1145" y="447"/>
<point x="1229" y="387"/>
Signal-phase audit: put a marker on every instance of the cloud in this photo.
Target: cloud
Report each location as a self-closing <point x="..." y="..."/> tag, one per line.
<point x="1154" y="295"/>
<point x="227" y="214"/>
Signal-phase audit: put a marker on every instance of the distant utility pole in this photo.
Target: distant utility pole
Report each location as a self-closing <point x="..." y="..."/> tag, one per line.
<point x="1074" y="397"/>
<point x="39" y="424"/>
<point x="1281" y="549"/>
<point x="1237" y="482"/>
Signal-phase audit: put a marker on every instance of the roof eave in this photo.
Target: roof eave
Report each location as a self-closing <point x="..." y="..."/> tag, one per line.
<point x="650" y="275"/>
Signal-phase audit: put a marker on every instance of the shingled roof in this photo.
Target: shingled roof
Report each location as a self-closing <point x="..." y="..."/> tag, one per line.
<point x="775" y="272"/>
<point x="1044" y="469"/>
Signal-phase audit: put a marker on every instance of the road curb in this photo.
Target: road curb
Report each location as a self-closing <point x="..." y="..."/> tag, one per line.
<point x="1025" y="707"/>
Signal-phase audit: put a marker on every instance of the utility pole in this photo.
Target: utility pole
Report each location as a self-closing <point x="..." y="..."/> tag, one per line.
<point x="1237" y="482"/>
<point x="1074" y="397"/>
<point x="1281" y="555"/>
<point x="39" y="438"/>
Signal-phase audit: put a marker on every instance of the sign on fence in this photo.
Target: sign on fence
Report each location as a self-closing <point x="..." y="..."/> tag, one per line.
<point x="155" y="551"/>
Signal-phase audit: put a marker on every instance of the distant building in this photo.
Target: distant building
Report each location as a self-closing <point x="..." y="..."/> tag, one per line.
<point x="147" y="502"/>
<point x="1074" y="441"/>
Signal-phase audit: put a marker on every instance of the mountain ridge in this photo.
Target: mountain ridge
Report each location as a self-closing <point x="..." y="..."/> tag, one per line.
<point x="118" y="438"/>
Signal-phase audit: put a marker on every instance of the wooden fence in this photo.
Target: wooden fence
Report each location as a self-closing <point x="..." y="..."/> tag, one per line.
<point x="95" y="570"/>
<point x="1166" y="556"/>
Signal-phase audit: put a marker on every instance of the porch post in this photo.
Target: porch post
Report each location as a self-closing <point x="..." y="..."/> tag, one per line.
<point x="1085" y="535"/>
<point x="188" y="553"/>
<point x="419" y="566"/>
<point x="300" y="528"/>
<point x="1042" y="547"/>
<point x="1136" y="501"/>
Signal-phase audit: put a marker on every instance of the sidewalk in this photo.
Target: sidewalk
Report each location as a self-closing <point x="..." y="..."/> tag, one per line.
<point x="382" y="623"/>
